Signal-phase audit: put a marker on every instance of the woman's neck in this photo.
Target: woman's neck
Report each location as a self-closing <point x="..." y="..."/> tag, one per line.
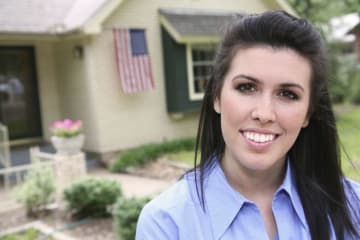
<point x="257" y="186"/>
<point x="254" y="184"/>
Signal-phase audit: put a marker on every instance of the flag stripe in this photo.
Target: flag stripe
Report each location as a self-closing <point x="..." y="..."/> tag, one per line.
<point x="134" y="66"/>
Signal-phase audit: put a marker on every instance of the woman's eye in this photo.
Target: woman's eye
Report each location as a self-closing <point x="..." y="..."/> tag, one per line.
<point x="288" y="95"/>
<point x="246" y="87"/>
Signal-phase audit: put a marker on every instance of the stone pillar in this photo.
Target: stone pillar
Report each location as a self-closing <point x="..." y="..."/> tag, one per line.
<point x="68" y="168"/>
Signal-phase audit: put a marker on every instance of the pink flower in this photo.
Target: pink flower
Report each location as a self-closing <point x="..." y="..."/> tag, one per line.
<point x="66" y="128"/>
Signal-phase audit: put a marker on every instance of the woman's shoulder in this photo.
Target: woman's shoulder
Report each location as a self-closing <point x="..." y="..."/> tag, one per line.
<point x="354" y="184"/>
<point x="162" y="215"/>
<point x="352" y="189"/>
<point x="176" y="195"/>
<point x="173" y="201"/>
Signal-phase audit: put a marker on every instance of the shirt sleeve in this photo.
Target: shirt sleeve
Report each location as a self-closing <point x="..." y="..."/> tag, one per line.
<point x="155" y="224"/>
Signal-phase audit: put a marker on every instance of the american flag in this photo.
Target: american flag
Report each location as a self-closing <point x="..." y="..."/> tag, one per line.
<point x="133" y="61"/>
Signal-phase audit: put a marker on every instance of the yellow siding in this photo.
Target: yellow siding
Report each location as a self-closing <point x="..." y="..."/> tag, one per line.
<point x="48" y="94"/>
<point x="75" y="87"/>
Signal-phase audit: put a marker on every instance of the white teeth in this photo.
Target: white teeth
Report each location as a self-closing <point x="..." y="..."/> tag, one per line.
<point x="258" y="137"/>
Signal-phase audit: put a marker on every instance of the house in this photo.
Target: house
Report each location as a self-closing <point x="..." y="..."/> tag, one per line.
<point x="62" y="59"/>
<point x="345" y="32"/>
<point x="356" y="32"/>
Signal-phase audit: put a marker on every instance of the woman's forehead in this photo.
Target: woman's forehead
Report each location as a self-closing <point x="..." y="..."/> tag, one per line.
<point x="264" y="62"/>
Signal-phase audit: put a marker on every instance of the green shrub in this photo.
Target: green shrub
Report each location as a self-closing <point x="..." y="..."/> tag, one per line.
<point x="38" y="189"/>
<point x="125" y="215"/>
<point x="91" y="197"/>
<point x="140" y="155"/>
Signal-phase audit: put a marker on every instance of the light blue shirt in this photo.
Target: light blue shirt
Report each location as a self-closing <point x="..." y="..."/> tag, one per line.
<point x="177" y="212"/>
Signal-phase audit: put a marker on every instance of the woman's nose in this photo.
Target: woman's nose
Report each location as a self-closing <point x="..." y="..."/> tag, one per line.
<point x="264" y="110"/>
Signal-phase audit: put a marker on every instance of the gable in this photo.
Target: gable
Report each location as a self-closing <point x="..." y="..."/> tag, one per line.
<point x="190" y="25"/>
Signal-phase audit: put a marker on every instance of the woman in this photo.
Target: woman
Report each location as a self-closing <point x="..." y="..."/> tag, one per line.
<point x="270" y="161"/>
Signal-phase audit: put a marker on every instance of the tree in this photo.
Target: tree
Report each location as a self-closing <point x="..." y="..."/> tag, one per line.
<point x="343" y="69"/>
<point x="320" y="11"/>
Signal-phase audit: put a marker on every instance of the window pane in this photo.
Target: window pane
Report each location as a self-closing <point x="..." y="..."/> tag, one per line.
<point x="202" y="56"/>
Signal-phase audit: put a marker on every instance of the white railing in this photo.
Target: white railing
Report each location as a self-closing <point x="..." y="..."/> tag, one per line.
<point x="4" y="146"/>
<point x="44" y="159"/>
<point x="67" y="168"/>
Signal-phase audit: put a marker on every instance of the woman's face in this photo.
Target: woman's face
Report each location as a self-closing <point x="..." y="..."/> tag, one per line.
<point x="263" y="105"/>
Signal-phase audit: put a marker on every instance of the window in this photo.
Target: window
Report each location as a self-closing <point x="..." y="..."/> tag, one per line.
<point x="19" y="103"/>
<point x="199" y="60"/>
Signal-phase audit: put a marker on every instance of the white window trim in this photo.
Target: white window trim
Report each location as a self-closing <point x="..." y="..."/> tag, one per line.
<point x="194" y="96"/>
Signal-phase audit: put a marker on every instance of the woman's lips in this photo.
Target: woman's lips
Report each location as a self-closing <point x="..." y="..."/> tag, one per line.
<point x="259" y="139"/>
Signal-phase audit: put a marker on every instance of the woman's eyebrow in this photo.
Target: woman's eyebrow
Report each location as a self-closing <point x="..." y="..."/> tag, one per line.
<point x="253" y="79"/>
<point x="292" y="85"/>
<point x="283" y="85"/>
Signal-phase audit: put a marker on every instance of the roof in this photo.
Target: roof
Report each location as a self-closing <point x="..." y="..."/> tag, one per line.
<point x="340" y="28"/>
<point x="46" y="16"/>
<point x="186" y="25"/>
<point x="66" y="16"/>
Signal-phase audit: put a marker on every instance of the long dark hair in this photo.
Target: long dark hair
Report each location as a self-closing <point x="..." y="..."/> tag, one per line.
<point x="315" y="155"/>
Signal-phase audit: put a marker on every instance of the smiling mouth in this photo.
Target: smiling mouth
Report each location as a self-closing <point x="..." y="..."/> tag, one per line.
<point x="259" y="137"/>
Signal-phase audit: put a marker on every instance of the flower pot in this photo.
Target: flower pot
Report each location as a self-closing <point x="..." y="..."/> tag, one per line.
<point x="69" y="145"/>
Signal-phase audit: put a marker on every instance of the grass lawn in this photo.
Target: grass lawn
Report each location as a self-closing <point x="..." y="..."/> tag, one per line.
<point x="185" y="157"/>
<point x="349" y="131"/>
<point x="348" y="118"/>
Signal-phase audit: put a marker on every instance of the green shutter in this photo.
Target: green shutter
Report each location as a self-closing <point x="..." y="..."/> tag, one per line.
<point x="176" y="80"/>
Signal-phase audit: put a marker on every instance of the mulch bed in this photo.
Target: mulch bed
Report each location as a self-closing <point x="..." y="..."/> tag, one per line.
<point x="89" y="229"/>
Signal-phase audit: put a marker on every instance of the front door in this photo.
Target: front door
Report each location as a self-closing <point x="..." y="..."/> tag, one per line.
<point x="19" y="98"/>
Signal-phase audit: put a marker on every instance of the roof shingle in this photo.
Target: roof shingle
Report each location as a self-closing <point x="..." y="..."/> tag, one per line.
<point x="45" y="16"/>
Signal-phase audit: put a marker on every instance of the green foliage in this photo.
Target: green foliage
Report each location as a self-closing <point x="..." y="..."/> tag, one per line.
<point x="345" y="86"/>
<point x="125" y="216"/>
<point x="143" y="154"/>
<point x="29" y="234"/>
<point x="91" y="197"/>
<point x="37" y="190"/>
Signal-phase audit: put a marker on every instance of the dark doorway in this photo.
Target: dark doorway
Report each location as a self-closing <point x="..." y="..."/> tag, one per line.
<point x="19" y="98"/>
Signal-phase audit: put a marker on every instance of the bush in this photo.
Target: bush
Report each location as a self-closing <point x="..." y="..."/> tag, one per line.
<point x="91" y="197"/>
<point x="345" y="81"/>
<point x="38" y="189"/>
<point x="125" y="216"/>
<point x="140" y="155"/>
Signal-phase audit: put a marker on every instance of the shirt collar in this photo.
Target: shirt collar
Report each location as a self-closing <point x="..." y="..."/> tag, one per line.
<point x="222" y="202"/>
<point x="219" y="193"/>
<point x="289" y="186"/>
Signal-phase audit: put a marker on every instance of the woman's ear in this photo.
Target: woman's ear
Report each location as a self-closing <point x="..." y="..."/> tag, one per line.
<point x="217" y="105"/>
